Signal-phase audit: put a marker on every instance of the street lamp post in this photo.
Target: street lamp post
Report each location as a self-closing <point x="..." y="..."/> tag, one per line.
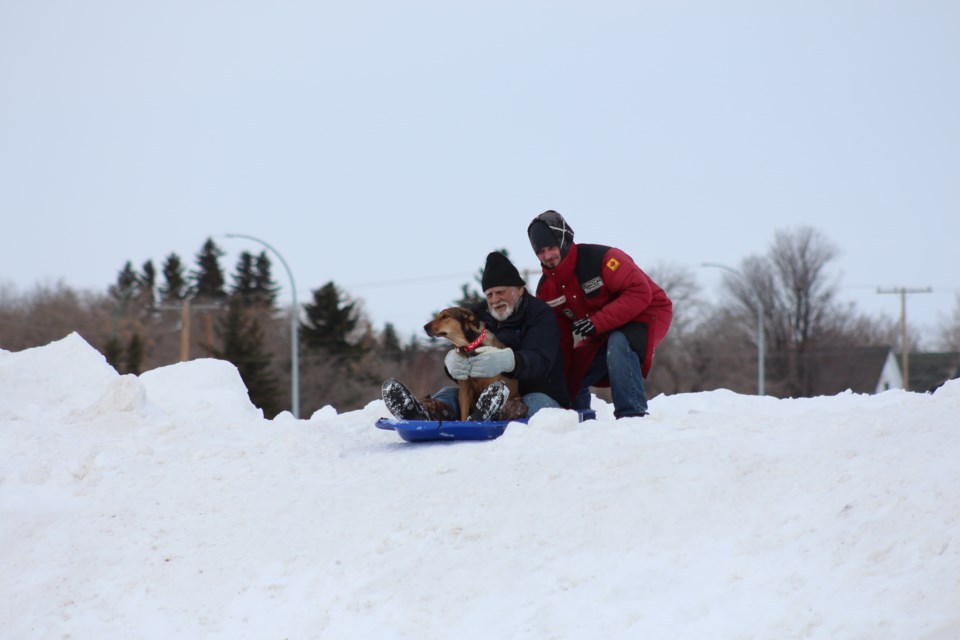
<point x="760" y="332"/>
<point x="294" y="336"/>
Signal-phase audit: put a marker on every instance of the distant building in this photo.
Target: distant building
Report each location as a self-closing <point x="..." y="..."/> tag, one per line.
<point x="867" y="370"/>
<point x="858" y="369"/>
<point x="928" y="371"/>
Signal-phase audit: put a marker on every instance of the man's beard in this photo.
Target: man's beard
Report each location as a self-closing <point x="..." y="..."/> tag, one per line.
<point x="505" y="313"/>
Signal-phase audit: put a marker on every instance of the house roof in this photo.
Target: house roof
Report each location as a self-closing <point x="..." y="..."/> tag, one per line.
<point x="930" y="370"/>
<point x="854" y="368"/>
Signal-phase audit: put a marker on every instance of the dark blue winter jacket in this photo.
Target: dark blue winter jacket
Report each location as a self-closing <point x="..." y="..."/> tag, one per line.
<point x="534" y="335"/>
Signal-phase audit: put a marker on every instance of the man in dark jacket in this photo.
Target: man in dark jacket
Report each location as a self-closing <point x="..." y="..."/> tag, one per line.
<point x="611" y="314"/>
<point x="531" y="334"/>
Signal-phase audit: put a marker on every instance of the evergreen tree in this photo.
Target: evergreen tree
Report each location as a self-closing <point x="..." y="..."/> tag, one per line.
<point x="390" y="343"/>
<point x="263" y="284"/>
<point x="208" y="280"/>
<point x="174" y="287"/>
<point x="127" y="285"/>
<point x="134" y="355"/>
<point x="243" y="280"/>
<point x="252" y="283"/>
<point x="112" y="352"/>
<point x="147" y="281"/>
<point x="242" y="343"/>
<point x="469" y="297"/>
<point x="330" y="322"/>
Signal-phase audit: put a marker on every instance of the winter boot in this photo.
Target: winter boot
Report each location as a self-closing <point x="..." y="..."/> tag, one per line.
<point x="401" y="402"/>
<point x="490" y="402"/>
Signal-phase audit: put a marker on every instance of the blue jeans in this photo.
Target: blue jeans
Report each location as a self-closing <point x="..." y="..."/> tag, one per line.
<point x="621" y="365"/>
<point x="450" y="396"/>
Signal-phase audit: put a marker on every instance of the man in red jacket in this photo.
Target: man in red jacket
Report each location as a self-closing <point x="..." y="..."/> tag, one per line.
<point x="612" y="315"/>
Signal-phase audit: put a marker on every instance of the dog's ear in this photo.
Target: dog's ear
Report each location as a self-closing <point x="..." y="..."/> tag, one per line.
<point x="470" y="320"/>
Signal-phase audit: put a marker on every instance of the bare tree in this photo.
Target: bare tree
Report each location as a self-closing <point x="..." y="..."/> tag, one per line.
<point x="797" y="294"/>
<point x="675" y="367"/>
<point x="949" y="330"/>
<point x="846" y="325"/>
<point x="51" y="312"/>
<point x="800" y="309"/>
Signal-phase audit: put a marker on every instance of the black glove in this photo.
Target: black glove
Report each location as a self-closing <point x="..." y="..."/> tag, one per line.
<point x="584" y="327"/>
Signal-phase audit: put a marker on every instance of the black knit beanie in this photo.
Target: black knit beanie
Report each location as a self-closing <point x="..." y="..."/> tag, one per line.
<point x="540" y="236"/>
<point x="549" y="229"/>
<point x="500" y="272"/>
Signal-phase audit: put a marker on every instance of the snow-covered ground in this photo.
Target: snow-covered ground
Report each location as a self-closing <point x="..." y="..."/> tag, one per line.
<point x="165" y="506"/>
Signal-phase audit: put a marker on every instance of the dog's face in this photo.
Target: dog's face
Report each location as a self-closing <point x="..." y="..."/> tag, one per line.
<point x="458" y="325"/>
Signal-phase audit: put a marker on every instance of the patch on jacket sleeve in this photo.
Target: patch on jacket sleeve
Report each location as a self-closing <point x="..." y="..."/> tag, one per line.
<point x="592" y="284"/>
<point x="612" y="264"/>
<point x="556" y="302"/>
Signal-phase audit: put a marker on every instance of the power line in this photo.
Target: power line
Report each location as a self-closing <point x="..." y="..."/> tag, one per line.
<point x="435" y="278"/>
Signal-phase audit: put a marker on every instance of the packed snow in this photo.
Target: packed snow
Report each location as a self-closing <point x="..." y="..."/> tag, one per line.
<point x="165" y="506"/>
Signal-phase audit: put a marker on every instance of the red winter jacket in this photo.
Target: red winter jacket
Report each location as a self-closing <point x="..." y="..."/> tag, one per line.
<point x="605" y="284"/>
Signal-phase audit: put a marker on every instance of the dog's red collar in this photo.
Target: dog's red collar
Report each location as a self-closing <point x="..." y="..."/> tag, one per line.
<point x="476" y="343"/>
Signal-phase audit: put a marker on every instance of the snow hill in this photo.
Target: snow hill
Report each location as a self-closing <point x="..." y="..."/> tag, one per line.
<point x="165" y="506"/>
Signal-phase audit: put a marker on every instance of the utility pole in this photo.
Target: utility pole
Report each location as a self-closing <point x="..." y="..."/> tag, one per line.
<point x="185" y="331"/>
<point x="185" y="307"/>
<point x="527" y="274"/>
<point x="904" y="340"/>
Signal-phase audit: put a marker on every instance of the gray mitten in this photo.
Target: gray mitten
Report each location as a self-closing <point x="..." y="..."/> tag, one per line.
<point x="491" y="361"/>
<point x="457" y="365"/>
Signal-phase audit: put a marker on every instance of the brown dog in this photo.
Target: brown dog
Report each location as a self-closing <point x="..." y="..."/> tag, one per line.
<point x="467" y="332"/>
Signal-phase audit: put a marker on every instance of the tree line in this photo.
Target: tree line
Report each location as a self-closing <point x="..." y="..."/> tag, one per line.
<point x="149" y="318"/>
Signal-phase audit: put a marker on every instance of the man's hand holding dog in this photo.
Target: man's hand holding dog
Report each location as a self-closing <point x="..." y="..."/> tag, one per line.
<point x="457" y="365"/>
<point x="491" y="361"/>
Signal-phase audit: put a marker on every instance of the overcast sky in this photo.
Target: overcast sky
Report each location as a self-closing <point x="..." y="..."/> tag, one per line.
<point x="390" y="146"/>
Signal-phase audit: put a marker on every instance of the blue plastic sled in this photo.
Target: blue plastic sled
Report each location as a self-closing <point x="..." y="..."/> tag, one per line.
<point x="432" y="430"/>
